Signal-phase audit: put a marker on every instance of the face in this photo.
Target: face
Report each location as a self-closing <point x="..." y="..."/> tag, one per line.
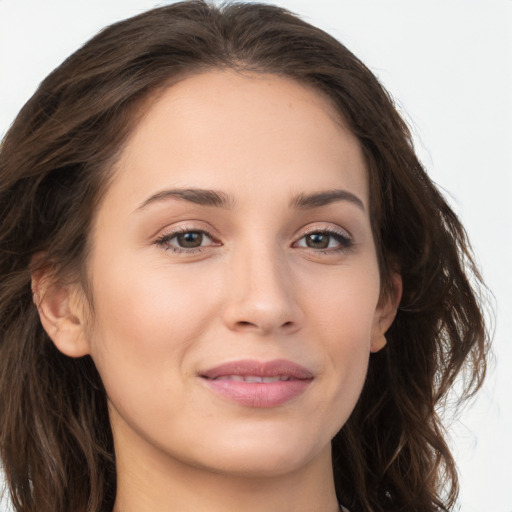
<point x="234" y="277"/>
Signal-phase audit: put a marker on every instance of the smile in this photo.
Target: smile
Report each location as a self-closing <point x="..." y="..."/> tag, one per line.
<point x="258" y="384"/>
<point x="254" y="378"/>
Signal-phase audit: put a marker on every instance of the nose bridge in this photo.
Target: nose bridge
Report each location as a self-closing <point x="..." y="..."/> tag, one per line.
<point x="262" y="297"/>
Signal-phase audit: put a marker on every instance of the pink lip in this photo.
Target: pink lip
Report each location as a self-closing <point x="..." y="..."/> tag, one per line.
<point x="258" y="394"/>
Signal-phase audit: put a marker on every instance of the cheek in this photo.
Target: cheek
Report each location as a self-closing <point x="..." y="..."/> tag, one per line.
<point x="149" y="308"/>
<point x="345" y="305"/>
<point x="144" y="327"/>
<point x="342" y="323"/>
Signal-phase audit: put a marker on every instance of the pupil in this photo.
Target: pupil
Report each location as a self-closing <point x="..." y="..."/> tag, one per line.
<point x="190" y="240"/>
<point x="317" y="241"/>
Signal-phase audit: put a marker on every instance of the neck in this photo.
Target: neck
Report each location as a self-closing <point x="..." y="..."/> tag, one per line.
<point x="157" y="482"/>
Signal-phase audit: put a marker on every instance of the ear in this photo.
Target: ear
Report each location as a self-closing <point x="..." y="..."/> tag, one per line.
<point x="385" y="313"/>
<point x="61" y="310"/>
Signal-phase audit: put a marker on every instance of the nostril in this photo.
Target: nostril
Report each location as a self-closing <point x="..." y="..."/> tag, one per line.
<point x="246" y="324"/>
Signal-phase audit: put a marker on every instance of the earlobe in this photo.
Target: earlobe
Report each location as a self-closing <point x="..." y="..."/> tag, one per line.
<point x="378" y="343"/>
<point x="385" y="314"/>
<point x="61" y="313"/>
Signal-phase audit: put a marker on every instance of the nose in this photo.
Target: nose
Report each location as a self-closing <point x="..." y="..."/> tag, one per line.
<point x="262" y="294"/>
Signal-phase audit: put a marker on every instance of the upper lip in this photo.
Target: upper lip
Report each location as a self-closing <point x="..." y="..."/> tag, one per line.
<point x="251" y="367"/>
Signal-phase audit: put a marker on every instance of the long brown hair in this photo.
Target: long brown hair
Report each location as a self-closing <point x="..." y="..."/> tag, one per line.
<point x="55" y="163"/>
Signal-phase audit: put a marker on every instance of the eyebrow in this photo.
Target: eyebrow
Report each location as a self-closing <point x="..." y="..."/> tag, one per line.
<point x="317" y="199"/>
<point x="203" y="197"/>
<point x="218" y="199"/>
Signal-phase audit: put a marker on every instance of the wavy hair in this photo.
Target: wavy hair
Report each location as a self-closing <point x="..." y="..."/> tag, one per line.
<point x="55" y="163"/>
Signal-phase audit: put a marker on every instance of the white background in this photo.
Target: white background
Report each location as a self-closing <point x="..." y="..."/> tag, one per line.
<point x="448" y="64"/>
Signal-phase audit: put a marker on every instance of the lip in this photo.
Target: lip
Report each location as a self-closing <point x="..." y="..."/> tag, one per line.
<point x="296" y="379"/>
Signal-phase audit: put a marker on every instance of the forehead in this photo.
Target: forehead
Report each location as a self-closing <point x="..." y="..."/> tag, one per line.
<point x="219" y="128"/>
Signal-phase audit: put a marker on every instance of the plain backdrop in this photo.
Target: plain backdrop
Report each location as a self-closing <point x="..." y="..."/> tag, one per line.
<point x="448" y="64"/>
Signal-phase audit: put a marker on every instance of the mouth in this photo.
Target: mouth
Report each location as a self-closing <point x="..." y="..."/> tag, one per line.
<point x="257" y="384"/>
<point x="254" y="378"/>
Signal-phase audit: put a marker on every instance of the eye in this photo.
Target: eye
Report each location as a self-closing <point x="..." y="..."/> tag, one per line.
<point x="186" y="241"/>
<point x="190" y="239"/>
<point x="325" y="240"/>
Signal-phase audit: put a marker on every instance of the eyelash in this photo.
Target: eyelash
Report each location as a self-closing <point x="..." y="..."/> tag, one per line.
<point x="164" y="240"/>
<point x="342" y="238"/>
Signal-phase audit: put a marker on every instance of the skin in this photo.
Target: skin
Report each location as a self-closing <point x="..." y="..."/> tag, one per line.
<point x="254" y="289"/>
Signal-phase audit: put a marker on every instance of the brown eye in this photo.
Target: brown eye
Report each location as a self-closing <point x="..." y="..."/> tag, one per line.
<point x="190" y="239"/>
<point x="327" y="241"/>
<point x="187" y="241"/>
<point x="318" y="240"/>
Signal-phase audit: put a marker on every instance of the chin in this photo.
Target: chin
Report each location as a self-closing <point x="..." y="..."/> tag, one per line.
<point x="260" y="465"/>
<point x="261" y="456"/>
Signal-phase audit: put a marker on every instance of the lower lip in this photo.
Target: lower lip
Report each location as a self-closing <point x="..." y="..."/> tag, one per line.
<point x="258" y="394"/>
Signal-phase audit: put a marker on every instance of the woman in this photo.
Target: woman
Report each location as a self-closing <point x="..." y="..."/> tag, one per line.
<point x="227" y="282"/>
